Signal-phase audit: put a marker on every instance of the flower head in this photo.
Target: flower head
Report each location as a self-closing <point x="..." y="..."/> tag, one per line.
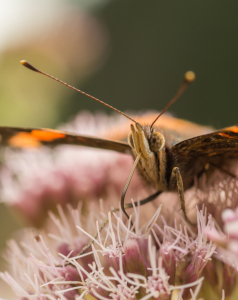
<point x="159" y="257"/>
<point x="123" y="264"/>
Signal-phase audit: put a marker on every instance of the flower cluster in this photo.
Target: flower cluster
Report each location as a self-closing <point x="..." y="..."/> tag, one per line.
<point x="144" y="262"/>
<point x="154" y="255"/>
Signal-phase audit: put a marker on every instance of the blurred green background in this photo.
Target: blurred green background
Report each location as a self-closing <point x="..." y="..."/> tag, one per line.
<point x="130" y="54"/>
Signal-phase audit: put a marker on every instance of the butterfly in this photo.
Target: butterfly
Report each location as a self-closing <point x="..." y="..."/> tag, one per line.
<point x="168" y="156"/>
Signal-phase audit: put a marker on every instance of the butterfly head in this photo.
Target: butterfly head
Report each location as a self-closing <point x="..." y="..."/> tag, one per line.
<point x="145" y="141"/>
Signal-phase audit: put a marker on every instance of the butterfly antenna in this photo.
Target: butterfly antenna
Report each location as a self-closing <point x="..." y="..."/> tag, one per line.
<point x="29" y="66"/>
<point x="188" y="78"/>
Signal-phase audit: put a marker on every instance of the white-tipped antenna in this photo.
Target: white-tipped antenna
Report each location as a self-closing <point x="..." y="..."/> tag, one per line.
<point x="29" y="66"/>
<point x="189" y="77"/>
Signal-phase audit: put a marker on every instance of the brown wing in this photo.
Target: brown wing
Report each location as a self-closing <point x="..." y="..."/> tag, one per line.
<point x="191" y="155"/>
<point x="32" y="138"/>
<point x="184" y="128"/>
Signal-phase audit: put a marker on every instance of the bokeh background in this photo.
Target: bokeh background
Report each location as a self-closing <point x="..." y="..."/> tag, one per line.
<point x="130" y="54"/>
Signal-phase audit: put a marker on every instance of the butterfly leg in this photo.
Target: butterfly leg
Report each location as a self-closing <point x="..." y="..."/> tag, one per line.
<point x="176" y="177"/>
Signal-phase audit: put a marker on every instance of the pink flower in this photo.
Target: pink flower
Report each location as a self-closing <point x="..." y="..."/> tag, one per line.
<point x="123" y="264"/>
<point x="46" y="177"/>
<point x="160" y="257"/>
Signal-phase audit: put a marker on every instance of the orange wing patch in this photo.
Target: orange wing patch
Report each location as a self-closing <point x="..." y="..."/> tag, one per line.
<point x="232" y="128"/>
<point x="225" y="135"/>
<point x="46" y="136"/>
<point x="24" y="140"/>
<point x="33" y="138"/>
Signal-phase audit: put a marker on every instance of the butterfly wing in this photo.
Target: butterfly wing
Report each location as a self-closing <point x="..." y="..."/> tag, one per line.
<point x="33" y="138"/>
<point x="193" y="154"/>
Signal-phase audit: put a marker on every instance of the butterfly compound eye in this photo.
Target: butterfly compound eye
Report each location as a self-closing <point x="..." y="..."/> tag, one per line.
<point x="156" y="141"/>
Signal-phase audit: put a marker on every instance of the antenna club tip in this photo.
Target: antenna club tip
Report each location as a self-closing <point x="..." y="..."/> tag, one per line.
<point x="29" y="66"/>
<point x="189" y="76"/>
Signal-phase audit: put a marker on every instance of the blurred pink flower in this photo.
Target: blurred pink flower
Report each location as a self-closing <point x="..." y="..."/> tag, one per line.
<point x="34" y="181"/>
<point x="227" y="250"/>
